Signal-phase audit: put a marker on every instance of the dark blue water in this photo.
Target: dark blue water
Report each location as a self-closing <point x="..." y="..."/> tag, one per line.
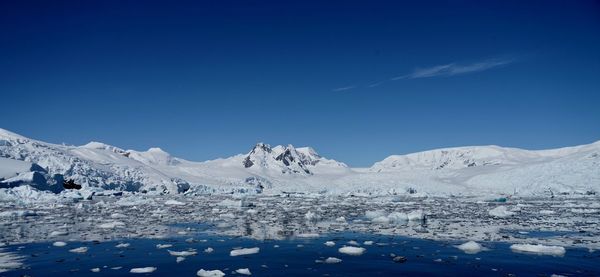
<point x="424" y="258"/>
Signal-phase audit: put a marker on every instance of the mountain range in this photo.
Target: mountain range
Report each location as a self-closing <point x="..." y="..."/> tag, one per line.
<point x="473" y="170"/>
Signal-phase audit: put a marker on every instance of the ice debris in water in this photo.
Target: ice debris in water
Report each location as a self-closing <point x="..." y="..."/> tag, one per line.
<point x="174" y="203"/>
<point x="95" y="269"/>
<point x="332" y="260"/>
<point x="79" y="250"/>
<point x="210" y="273"/>
<point x="122" y="245"/>
<point x="10" y="261"/>
<point x="470" y="247"/>
<point x="329" y="243"/>
<point x="351" y="250"/>
<point x="243" y="271"/>
<point x="111" y="225"/>
<point x="148" y="269"/>
<point x="208" y="250"/>
<point x="161" y="246"/>
<point x="59" y="243"/>
<point x="244" y="251"/>
<point x="185" y="253"/>
<point x="500" y="211"/>
<point x="538" y="249"/>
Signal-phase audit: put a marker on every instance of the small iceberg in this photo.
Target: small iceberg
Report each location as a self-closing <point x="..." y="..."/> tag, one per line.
<point x="210" y="273"/>
<point x="243" y="271"/>
<point x="148" y="269"/>
<point x="244" y="251"/>
<point x="351" y="250"/>
<point x="59" y="244"/>
<point x="471" y="247"/>
<point x="79" y="250"/>
<point x="538" y="249"/>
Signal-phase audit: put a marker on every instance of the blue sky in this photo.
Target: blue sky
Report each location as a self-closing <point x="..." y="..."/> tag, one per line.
<point x="357" y="80"/>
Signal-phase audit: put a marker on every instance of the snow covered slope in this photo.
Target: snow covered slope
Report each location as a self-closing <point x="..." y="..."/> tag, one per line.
<point x="478" y="170"/>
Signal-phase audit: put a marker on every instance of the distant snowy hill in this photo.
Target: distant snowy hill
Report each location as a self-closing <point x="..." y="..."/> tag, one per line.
<point x="478" y="170"/>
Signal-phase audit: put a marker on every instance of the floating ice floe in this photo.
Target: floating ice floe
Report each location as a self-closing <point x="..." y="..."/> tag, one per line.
<point x="111" y="225"/>
<point x="148" y="269"/>
<point x="210" y="273"/>
<point x="471" y="247"/>
<point x="79" y="250"/>
<point x="538" y="249"/>
<point x="180" y="259"/>
<point x="58" y="233"/>
<point x="329" y="243"/>
<point x="174" y="203"/>
<point x="368" y="242"/>
<point x="122" y="245"/>
<point x="10" y="261"/>
<point x="185" y="253"/>
<point x="161" y="246"/>
<point x="59" y="243"/>
<point x="500" y="211"/>
<point x="380" y="217"/>
<point x="332" y="260"/>
<point x="353" y="242"/>
<point x="95" y="269"/>
<point x="208" y="250"/>
<point x="351" y="250"/>
<point x="244" y="251"/>
<point x="243" y="271"/>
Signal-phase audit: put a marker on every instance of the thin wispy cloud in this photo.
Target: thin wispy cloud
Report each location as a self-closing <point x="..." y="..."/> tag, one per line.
<point x="343" y="88"/>
<point x="443" y="70"/>
<point x="454" y="69"/>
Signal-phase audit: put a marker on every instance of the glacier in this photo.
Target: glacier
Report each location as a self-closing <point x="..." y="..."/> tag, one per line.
<point x="460" y="171"/>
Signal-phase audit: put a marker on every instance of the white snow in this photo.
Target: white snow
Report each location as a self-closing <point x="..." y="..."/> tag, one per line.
<point x="538" y="249"/>
<point x="148" y="269"/>
<point x="472" y="170"/>
<point x="470" y="247"/>
<point x="243" y="271"/>
<point x="244" y="251"/>
<point x="352" y="250"/>
<point x="210" y="273"/>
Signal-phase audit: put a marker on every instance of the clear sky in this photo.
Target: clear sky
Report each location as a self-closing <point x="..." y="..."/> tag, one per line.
<point x="356" y="80"/>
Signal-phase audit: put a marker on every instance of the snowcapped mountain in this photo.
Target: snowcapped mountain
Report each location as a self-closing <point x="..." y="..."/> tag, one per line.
<point x="287" y="159"/>
<point x="264" y="169"/>
<point x="457" y="158"/>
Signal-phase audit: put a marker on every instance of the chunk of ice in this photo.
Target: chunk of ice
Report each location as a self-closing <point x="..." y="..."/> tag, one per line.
<point x="470" y="247"/>
<point x="538" y="249"/>
<point x="244" y="251"/>
<point x="351" y="250"/>
<point x="210" y="273"/>
<point x="148" y="269"/>
<point x="243" y="271"/>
